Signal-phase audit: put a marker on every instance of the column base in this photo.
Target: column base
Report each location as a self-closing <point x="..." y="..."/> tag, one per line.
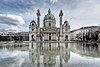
<point x="38" y="38"/>
<point x="60" y="38"/>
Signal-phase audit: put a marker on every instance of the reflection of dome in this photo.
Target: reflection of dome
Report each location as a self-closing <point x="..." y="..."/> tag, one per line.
<point x="49" y="55"/>
<point x="49" y="16"/>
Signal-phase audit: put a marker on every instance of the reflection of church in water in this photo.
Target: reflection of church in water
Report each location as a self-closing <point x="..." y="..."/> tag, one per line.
<point x="49" y="31"/>
<point x="49" y="54"/>
<point x="59" y="54"/>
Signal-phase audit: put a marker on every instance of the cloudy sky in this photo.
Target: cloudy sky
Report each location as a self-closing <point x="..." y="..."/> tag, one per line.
<point x="16" y="15"/>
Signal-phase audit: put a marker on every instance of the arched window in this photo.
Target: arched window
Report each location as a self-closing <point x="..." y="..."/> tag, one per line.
<point x="66" y="24"/>
<point x="32" y="37"/>
<point x="32" y="24"/>
<point x="32" y="29"/>
<point x="49" y="37"/>
<point x="66" y="29"/>
<point x="49" y="34"/>
<point x="49" y="17"/>
<point x="66" y="37"/>
<point x="49" y="24"/>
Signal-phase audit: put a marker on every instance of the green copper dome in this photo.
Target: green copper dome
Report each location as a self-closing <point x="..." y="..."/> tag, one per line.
<point x="49" y="16"/>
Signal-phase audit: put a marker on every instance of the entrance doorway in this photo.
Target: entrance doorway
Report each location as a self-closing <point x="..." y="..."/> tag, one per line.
<point x="32" y="38"/>
<point x="66" y="37"/>
<point x="49" y="37"/>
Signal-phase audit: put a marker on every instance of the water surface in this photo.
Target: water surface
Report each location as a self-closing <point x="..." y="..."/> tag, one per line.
<point x="50" y="55"/>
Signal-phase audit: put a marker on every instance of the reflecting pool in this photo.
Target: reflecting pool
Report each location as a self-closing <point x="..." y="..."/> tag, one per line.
<point x="50" y="55"/>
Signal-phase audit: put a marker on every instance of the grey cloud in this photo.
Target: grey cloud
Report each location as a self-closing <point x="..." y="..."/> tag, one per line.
<point x="10" y="22"/>
<point x="11" y="19"/>
<point x="9" y="28"/>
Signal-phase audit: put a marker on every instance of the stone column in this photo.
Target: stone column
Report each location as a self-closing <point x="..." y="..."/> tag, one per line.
<point x="38" y="24"/>
<point x="61" y="32"/>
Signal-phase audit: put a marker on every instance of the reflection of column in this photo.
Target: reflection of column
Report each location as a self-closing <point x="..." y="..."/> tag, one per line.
<point x="49" y="46"/>
<point x="61" y="64"/>
<point x="43" y="38"/>
<point x="38" y="54"/>
<point x="61" y="52"/>
<point x="32" y="54"/>
<point x="59" y="46"/>
<point x="38" y="64"/>
<point x="32" y="46"/>
<point x="66" y="45"/>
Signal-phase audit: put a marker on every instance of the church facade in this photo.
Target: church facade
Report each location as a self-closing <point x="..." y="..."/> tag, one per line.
<point x="49" y="31"/>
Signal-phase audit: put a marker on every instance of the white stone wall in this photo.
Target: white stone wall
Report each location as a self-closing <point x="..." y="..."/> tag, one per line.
<point x="53" y="36"/>
<point x="46" y="23"/>
<point x="46" y="36"/>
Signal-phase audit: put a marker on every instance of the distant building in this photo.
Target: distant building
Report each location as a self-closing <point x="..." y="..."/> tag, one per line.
<point x="86" y="33"/>
<point x="12" y="36"/>
<point x="24" y="36"/>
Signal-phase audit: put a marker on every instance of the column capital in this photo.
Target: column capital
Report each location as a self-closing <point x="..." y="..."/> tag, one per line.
<point x="38" y="13"/>
<point x="61" y="13"/>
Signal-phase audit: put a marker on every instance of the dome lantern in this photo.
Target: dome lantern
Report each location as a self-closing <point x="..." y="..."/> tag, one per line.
<point x="49" y="11"/>
<point x="49" y="16"/>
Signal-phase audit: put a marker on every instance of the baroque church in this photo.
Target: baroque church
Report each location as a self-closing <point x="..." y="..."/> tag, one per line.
<point x="49" y="31"/>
